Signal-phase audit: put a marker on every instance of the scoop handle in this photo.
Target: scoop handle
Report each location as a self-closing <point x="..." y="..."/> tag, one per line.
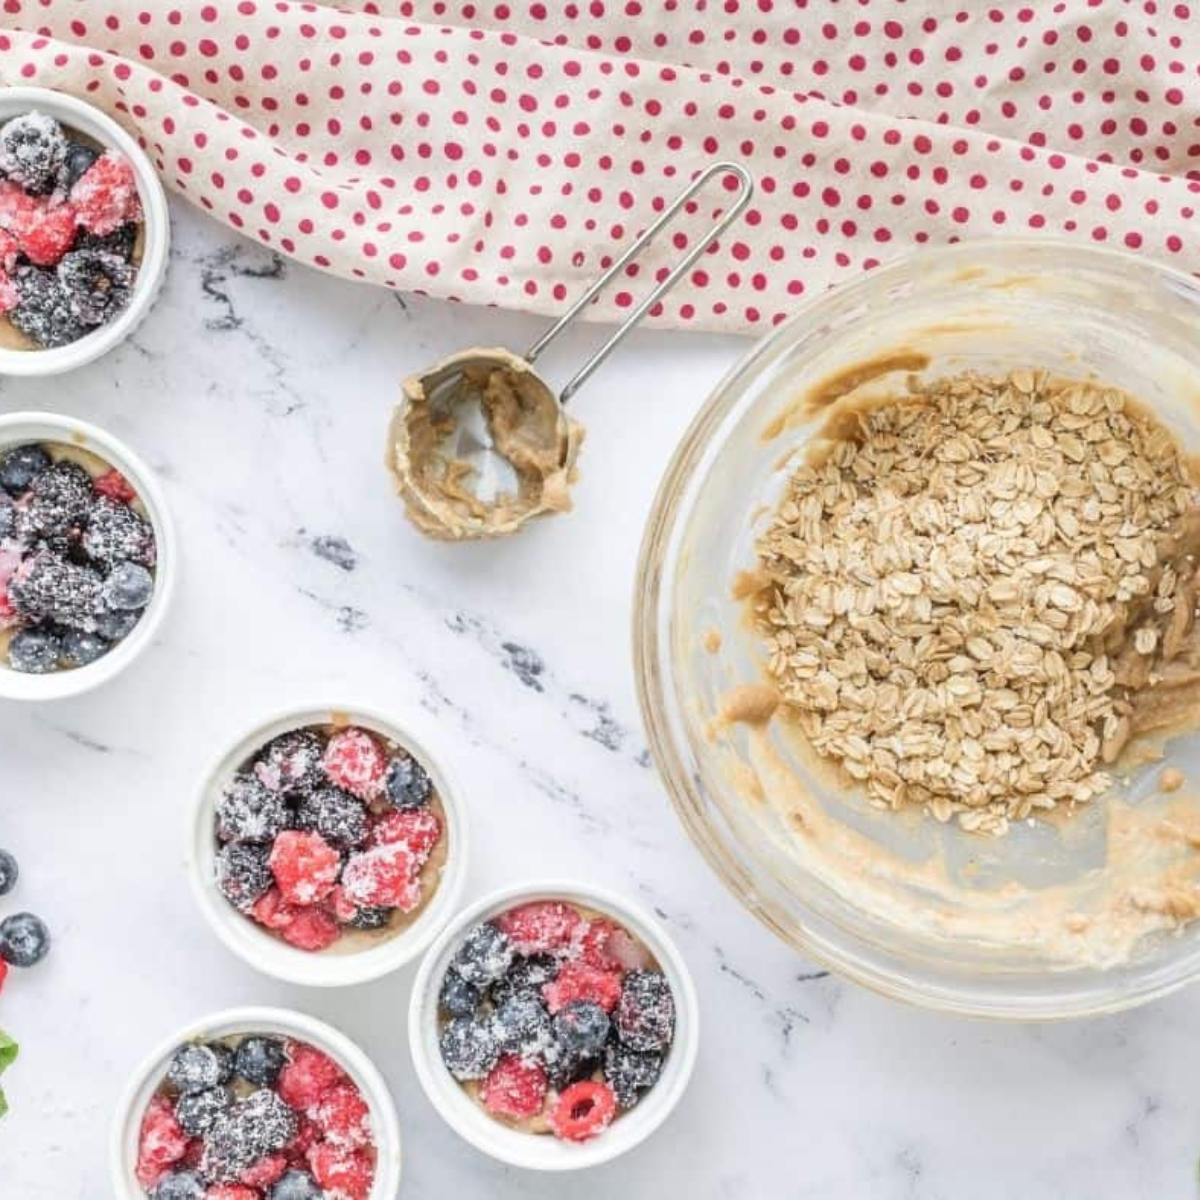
<point x="741" y="199"/>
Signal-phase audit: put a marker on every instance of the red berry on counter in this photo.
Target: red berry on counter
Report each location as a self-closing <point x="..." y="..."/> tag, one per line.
<point x="312" y="929"/>
<point x="161" y="1143"/>
<point x="514" y="1088"/>
<point x="417" y="828"/>
<point x="307" y="1077"/>
<point x="583" y="1110"/>
<point x="384" y="877"/>
<point x="343" y="1118"/>
<point x="579" y="981"/>
<point x="115" y="486"/>
<point x="272" y="911"/>
<point x="265" y="1172"/>
<point x="356" y="762"/>
<point x="105" y="196"/>
<point x="305" y="866"/>
<point x="540" y="926"/>
<point x="344" y="1173"/>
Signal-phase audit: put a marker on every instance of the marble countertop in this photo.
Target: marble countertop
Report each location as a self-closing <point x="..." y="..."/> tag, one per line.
<point x="260" y="391"/>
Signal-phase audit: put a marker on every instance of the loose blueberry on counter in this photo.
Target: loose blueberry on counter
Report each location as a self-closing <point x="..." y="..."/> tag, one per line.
<point x="9" y="872"/>
<point x="581" y="1029"/>
<point x="485" y="955"/>
<point x="340" y="818"/>
<point x="248" y="811"/>
<point x="370" y="917"/>
<point x="631" y="1073"/>
<point x="522" y="1026"/>
<point x="243" y="873"/>
<point x="197" y="1068"/>
<point x="34" y="651"/>
<point x="196" y="1111"/>
<point x="259" y="1060"/>
<point x="80" y="648"/>
<point x="24" y="940"/>
<point x="458" y="997"/>
<point x="407" y="783"/>
<point x="33" y="149"/>
<point x="645" y="1015"/>
<point x="179" y="1185"/>
<point x="19" y="467"/>
<point x="469" y="1048"/>
<point x="78" y="158"/>
<point x="296" y="1185"/>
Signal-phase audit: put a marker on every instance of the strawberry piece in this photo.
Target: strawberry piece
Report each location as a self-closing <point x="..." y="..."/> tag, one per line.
<point x="356" y="762"/>
<point x="265" y="1172"/>
<point x="343" y="1118"/>
<point x="307" y="1077"/>
<point x="514" y="1088"/>
<point x="584" y="1110"/>
<point x="312" y="929"/>
<point x="384" y="877"/>
<point x="105" y="196"/>
<point x="161" y="1143"/>
<point x="540" y="926"/>
<point x="9" y="249"/>
<point x="306" y="1135"/>
<point x="346" y="1174"/>
<point x="231" y="1191"/>
<point x="273" y="911"/>
<point x="44" y="231"/>
<point x="579" y="981"/>
<point x="115" y="486"/>
<point x="305" y="866"/>
<point x="417" y="828"/>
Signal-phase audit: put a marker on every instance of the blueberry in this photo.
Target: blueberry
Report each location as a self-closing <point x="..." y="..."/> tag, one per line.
<point x="97" y="284"/>
<point x="469" y="1047"/>
<point x="179" y="1185"/>
<point x="243" y="873"/>
<point x="196" y="1111"/>
<point x="340" y="818"/>
<point x="370" y="917"/>
<point x="527" y="974"/>
<point x="24" y="940"/>
<point x="249" y="812"/>
<point x="198" y="1068"/>
<point x="80" y="648"/>
<point x="581" y="1028"/>
<point x="249" y="1130"/>
<point x="115" y="624"/>
<point x="34" y="651"/>
<point x="645" y="1015"/>
<point x="19" y="468"/>
<point x="484" y="956"/>
<point x="50" y="588"/>
<point x="458" y="997"/>
<point x="296" y="1185"/>
<point x="630" y="1073"/>
<point x="76" y="161"/>
<point x="259" y="1060"/>
<point x="522" y="1026"/>
<point x="117" y="538"/>
<point x="8" y="872"/>
<point x="407" y="783"/>
<point x="32" y="150"/>
<point x="291" y="762"/>
<point x="120" y="241"/>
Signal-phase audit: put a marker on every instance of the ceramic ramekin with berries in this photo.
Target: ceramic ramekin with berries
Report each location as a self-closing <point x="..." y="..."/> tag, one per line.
<point x="84" y="232"/>
<point x="88" y="559"/>
<point x="328" y="846"/>
<point x="256" y="1102"/>
<point x="554" y="1025"/>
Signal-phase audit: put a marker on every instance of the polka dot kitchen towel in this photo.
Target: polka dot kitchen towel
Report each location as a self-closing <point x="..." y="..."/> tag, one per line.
<point x="498" y="152"/>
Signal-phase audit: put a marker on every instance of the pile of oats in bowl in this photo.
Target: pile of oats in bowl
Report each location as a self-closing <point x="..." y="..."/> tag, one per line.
<point x="975" y="592"/>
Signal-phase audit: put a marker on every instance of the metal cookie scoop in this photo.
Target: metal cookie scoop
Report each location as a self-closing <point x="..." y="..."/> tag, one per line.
<point x="479" y="443"/>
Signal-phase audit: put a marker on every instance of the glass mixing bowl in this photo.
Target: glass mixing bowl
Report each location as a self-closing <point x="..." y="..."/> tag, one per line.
<point x="913" y="909"/>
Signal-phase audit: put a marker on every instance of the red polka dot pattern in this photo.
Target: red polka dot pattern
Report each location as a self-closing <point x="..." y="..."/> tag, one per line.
<point x="501" y="152"/>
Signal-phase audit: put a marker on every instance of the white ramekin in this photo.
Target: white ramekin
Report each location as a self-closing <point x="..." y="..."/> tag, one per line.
<point x="281" y="1022"/>
<point x="264" y="950"/>
<point x="16" y="429"/>
<point x="542" y="1152"/>
<point x="78" y="114"/>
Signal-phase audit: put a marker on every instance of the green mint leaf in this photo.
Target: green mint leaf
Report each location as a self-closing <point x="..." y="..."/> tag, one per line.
<point x="8" y="1052"/>
<point x="3" y="1104"/>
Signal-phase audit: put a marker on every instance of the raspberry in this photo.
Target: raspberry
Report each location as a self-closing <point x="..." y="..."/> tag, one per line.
<point x="514" y="1088"/>
<point x="307" y="1077"/>
<point x="161" y="1142"/>
<point x="606" y="945"/>
<point x="106" y="196"/>
<point x="306" y="1135"/>
<point x="305" y="866"/>
<point x="265" y="1172"/>
<point x="9" y="296"/>
<point x="355" y="761"/>
<point x="9" y="249"/>
<point x="585" y="1109"/>
<point x="312" y="929"/>
<point x="340" y="906"/>
<point x="383" y="877"/>
<point x="43" y="231"/>
<point x="112" y="483"/>
<point x="343" y="1117"/>
<point x="230" y="1191"/>
<point x="193" y="1154"/>
<point x="418" y="829"/>
<point x="345" y="1173"/>
<point x="272" y="911"/>
<point x="540" y="926"/>
<point x="579" y="981"/>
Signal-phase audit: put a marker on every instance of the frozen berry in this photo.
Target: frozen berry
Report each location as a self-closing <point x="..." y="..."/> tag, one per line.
<point x="355" y="761"/>
<point x="46" y="587"/>
<point x="525" y="975"/>
<point x="566" y="1069"/>
<point x="307" y="1134"/>
<point x="540" y="926"/>
<point x="265" y="1172"/>
<point x="161" y="1143"/>
<point x="62" y="495"/>
<point x="33" y="148"/>
<point x="305" y="866"/>
<point x="97" y="284"/>
<point x="249" y="812"/>
<point x="606" y="945"/>
<point x="8" y="522"/>
<point x="291" y="762"/>
<point x="197" y="1068"/>
<point x="9" y="296"/>
<point x="115" y="486"/>
<point x="339" y="817"/>
<point x="231" y="1191"/>
<point x="196" y="1111"/>
<point x="307" y="1077"/>
<point x="514" y="1088"/>
<point x="179" y="1185"/>
<point x="646" y="1014"/>
<point x="297" y="1185"/>
<point x="583" y="1111"/>
<point x="468" y="1046"/>
<point x="114" y="535"/>
<point x="77" y="159"/>
<point x="581" y="1029"/>
<point x="407" y="783"/>
<point x="243" y="873"/>
<point x="34" y="651"/>
<point x="9" y="871"/>
<point x="121" y="241"/>
<point x="259" y="1060"/>
<point x="630" y="1073"/>
<point x="10" y="249"/>
<point x="458" y="997"/>
<point x="346" y="1174"/>
<point x="24" y="940"/>
<point x="44" y="232"/>
<point x="311" y="929"/>
<point x="128" y="587"/>
<point x="339" y="905"/>
<point x="114" y="624"/>
<point x="370" y="917"/>
<point x="384" y="877"/>
<point x="272" y="910"/>
<point x="79" y="648"/>
<point x="259" y="1125"/>
<point x="418" y="829"/>
<point x="106" y="197"/>
<point x="343" y="1117"/>
<point x="484" y="956"/>
<point x="578" y="981"/>
<point x="21" y="466"/>
<point x="42" y="312"/>
<point x="521" y="1025"/>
